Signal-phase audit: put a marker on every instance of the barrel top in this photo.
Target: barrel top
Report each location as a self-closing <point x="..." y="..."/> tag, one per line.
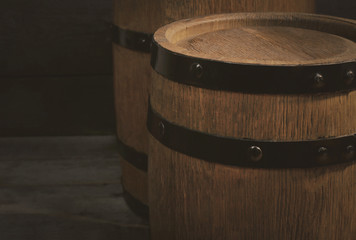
<point x="263" y="38"/>
<point x="277" y="53"/>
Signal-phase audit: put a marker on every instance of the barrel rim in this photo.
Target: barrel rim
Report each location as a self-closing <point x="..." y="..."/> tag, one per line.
<point x="281" y="19"/>
<point x="251" y="78"/>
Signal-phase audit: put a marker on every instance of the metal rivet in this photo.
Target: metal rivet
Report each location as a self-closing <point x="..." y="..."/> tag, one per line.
<point x="350" y="152"/>
<point x="161" y="128"/>
<point x="197" y="70"/>
<point x="319" y="80"/>
<point x="255" y="153"/>
<point x="349" y="78"/>
<point x="143" y="41"/>
<point x="322" y="154"/>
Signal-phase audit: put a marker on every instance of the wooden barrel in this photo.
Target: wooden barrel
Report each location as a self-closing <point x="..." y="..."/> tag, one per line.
<point x="135" y="21"/>
<point x="253" y="120"/>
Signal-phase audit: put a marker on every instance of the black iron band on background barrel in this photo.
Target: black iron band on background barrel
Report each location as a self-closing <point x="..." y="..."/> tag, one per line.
<point x="250" y="153"/>
<point x="251" y="78"/>
<point x="135" y="158"/>
<point x="136" y="41"/>
<point x="135" y="205"/>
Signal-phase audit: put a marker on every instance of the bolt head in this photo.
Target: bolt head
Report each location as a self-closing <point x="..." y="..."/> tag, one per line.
<point x="319" y="80"/>
<point x="255" y="153"/>
<point x="350" y="152"/>
<point x="322" y="155"/>
<point x="197" y="70"/>
<point x="161" y="128"/>
<point x="350" y="76"/>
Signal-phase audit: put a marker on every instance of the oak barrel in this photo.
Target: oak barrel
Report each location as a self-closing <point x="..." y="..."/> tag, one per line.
<point x="134" y="23"/>
<point x="253" y="120"/>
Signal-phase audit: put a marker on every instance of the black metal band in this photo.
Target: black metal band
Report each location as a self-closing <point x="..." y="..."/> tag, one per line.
<point x="136" y="41"/>
<point x="250" y="78"/>
<point x="136" y="206"/>
<point x="135" y="158"/>
<point x="250" y="153"/>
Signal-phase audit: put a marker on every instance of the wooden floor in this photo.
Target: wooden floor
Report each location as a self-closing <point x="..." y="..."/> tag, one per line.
<point x="64" y="188"/>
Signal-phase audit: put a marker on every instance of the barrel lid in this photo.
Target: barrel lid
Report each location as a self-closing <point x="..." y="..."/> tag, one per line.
<point x="259" y="52"/>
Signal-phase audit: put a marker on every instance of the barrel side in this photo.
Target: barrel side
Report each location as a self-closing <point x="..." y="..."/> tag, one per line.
<point x="193" y="199"/>
<point x="131" y="80"/>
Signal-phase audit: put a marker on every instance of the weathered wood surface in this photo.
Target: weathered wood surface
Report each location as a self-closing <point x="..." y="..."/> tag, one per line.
<point x="63" y="188"/>
<point x="55" y="68"/>
<point x="40" y="106"/>
<point x="190" y="198"/>
<point x="55" y="37"/>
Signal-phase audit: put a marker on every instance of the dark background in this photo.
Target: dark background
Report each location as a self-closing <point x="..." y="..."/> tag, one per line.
<point x="56" y="65"/>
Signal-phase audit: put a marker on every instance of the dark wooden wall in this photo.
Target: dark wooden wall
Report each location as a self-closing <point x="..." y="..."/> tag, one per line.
<point x="56" y="65"/>
<point x="50" y="37"/>
<point x="340" y="8"/>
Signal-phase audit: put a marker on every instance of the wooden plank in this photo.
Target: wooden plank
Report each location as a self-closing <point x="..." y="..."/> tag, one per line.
<point x="40" y="106"/>
<point x="79" y="172"/>
<point x="93" y="148"/>
<point x="55" y="37"/>
<point x="96" y="203"/>
<point x="44" y="227"/>
<point x="64" y="188"/>
<point x="62" y="161"/>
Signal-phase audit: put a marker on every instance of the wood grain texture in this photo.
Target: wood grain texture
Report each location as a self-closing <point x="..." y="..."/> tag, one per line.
<point x="131" y="101"/>
<point x="39" y="226"/>
<point x="193" y="199"/>
<point x="64" y="188"/>
<point x="132" y="69"/>
<point x="255" y="116"/>
<point x="134" y="181"/>
<point x="263" y="38"/>
<point x="271" y="45"/>
<point x="131" y="84"/>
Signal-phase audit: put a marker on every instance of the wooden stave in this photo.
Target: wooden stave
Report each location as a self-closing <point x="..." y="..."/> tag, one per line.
<point x="165" y="163"/>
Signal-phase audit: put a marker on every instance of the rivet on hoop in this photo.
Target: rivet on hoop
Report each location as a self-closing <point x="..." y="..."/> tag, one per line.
<point x="143" y="41"/>
<point x="319" y="80"/>
<point x="161" y="128"/>
<point x="255" y="153"/>
<point x="349" y="77"/>
<point x="350" y="152"/>
<point x="197" y="70"/>
<point x="322" y="155"/>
